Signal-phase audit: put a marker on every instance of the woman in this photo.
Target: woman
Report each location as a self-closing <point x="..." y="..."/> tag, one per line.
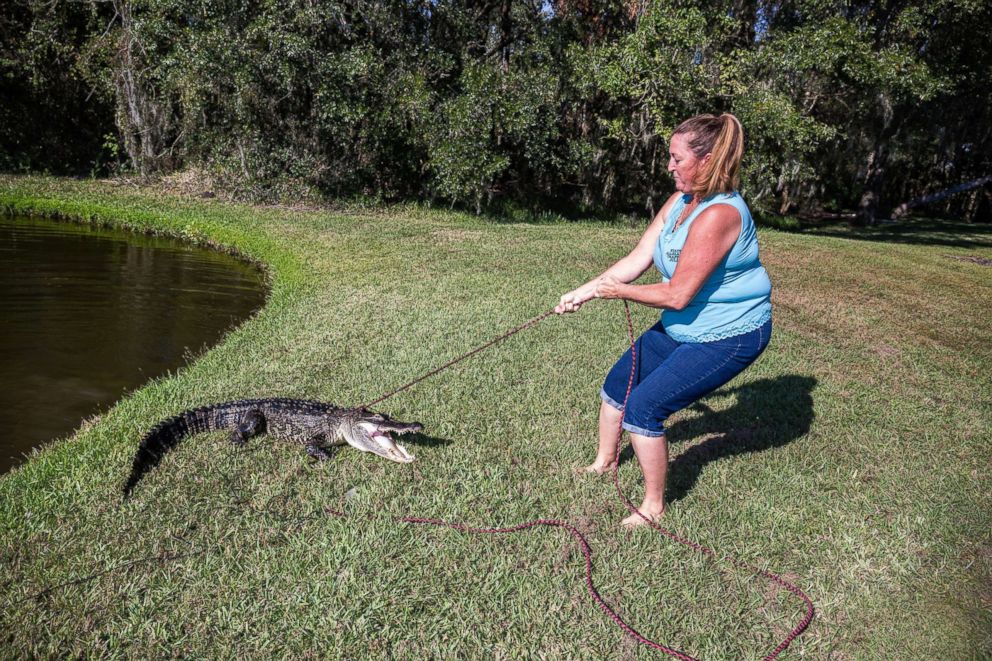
<point x="714" y="293"/>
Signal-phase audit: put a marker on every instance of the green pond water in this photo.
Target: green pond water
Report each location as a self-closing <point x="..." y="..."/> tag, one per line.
<point x="88" y="314"/>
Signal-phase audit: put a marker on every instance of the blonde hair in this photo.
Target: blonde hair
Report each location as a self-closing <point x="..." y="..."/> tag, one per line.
<point x="723" y="138"/>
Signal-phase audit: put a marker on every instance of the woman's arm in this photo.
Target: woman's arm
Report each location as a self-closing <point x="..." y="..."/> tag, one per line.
<point x="710" y="240"/>
<point x="625" y="270"/>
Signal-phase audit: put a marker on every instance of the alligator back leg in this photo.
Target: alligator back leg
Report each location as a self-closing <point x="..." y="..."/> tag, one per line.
<point x="251" y="423"/>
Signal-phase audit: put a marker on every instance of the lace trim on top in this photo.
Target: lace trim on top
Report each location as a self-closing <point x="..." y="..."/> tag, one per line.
<point x="732" y="331"/>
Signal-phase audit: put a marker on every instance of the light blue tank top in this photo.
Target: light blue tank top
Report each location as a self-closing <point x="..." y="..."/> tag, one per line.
<point x="735" y="299"/>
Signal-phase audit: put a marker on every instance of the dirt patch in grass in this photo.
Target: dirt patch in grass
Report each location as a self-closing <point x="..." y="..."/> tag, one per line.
<point x="979" y="559"/>
<point x="189" y="183"/>
<point x="770" y="597"/>
<point x="885" y="351"/>
<point x="451" y="235"/>
<point x="981" y="261"/>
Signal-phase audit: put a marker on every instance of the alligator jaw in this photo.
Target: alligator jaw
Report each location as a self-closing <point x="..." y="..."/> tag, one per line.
<point x="396" y="452"/>
<point x="378" y="441"/>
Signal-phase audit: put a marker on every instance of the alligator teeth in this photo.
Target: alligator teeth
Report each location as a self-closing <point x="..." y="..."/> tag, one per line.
<point x="401" y="454"/>
<point x="393" y="450"/>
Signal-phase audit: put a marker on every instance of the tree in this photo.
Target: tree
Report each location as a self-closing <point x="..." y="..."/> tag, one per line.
<point x="499" y="104"/>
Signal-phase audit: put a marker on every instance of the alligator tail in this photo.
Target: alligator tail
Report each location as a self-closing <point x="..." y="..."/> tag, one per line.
<point x="167" y="434"/>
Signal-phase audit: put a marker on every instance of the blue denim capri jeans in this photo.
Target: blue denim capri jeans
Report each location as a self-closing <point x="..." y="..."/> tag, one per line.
<point x="671" y="375"/>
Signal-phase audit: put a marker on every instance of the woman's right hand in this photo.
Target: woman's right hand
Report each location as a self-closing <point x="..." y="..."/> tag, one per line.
<point x="574" y="299"/>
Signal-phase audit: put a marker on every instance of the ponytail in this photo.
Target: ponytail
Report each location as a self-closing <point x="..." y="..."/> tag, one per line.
<point x="723" y="138"/>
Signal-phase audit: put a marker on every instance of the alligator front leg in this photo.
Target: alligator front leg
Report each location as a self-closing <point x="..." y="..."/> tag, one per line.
<point x="252" y="423"/>
<point x="320" y="453"/>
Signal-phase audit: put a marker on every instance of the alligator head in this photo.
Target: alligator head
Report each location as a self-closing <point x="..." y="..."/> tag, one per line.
<point x="370" y="432"/>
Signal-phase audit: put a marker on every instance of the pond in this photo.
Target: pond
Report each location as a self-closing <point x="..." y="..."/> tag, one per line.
<point x="92" y="313"/>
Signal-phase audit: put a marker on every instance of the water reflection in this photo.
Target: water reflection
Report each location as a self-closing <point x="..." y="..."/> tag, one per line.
<point x="89" y="313"/>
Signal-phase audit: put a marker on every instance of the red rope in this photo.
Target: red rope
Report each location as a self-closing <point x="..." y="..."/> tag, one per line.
<point x="583" y="543"/>
<point x="513" y="331"/>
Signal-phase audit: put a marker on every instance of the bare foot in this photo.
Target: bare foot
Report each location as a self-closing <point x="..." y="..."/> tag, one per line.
<point x="597" y="468"/>
<point x="636" y="520"/>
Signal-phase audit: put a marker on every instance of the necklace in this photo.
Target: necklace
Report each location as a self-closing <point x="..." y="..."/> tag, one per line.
<point x="686" y="212"/>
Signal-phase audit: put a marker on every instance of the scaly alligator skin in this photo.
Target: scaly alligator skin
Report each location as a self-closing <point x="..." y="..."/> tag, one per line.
<point x="315" y="425"/>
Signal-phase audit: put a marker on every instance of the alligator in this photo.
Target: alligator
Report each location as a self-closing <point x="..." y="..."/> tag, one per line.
<point x="318" y="426"/>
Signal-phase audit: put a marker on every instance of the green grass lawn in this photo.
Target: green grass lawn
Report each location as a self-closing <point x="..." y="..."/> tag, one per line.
<point x="853" y="458"/>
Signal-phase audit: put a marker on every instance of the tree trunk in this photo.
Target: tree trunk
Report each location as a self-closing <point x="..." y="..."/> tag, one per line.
<point x="506" y="35"/>
<point x="878" y="161"/>
<point x="140" y="119"/>
<point x="875" y="177"/>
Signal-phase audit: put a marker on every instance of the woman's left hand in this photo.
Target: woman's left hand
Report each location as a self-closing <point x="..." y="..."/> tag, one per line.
<point x="608" y="287"/>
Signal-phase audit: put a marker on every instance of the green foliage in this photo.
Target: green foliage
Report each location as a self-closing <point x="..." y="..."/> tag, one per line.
<point x="663" y="65"/>
<point x="496" y="119"/>
<point x="634" y="91"/>
<point x="565" y="106"/>
<point x="50" y="118"/>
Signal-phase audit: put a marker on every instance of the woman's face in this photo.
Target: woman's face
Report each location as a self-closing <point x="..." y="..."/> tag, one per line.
<point x="683" y="163"/>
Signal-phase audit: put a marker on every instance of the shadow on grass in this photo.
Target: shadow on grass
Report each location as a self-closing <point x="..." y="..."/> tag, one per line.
<point x="918" y="231"/>
<point x="423" y="440"/>
<point x="768" y="414"/>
